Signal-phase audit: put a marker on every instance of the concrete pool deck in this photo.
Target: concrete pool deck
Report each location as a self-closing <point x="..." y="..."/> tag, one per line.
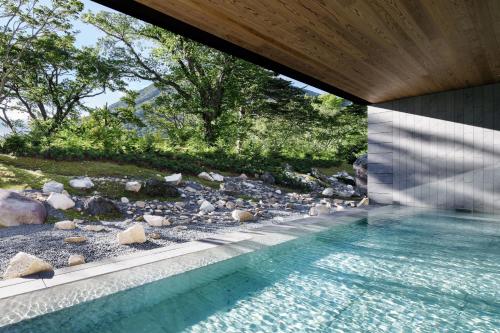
<point x="26" y="298"/>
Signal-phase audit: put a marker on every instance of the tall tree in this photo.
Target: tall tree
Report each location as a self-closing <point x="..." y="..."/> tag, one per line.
<point x="22" y="21"/>
<point x="54" y="77"/>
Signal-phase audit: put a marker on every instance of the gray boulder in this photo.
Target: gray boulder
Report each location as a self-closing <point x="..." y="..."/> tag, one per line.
<point x="16" y="210"/>
<point x="361" y="168"/>
<point x="268" y="178"/>
<point x="157" y="188"/>
<point x="97" y="205"/>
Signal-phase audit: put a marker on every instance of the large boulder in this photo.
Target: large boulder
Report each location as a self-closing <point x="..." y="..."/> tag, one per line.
<point x="345" y="178"/>
<point x="24" y="264"/>
<point x="98" y="205"/>
<point x="52" y="186"/>
<point x="133" y="186"/>
<point x="268" y="178"/>
<point x="132" y="235"/>
<point x="157" y="188"/>
<point x="174" y="179"/>
<point x="81" y="183"/>
<point x="16" y="210"/>
<point x="60" y="201"/>
<point x="361" y="168"/>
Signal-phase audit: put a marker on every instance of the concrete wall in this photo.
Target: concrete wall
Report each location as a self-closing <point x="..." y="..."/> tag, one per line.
<point x="440" y="150"/>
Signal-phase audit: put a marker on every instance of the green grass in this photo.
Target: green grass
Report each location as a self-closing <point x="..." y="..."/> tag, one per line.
<point x="18" y="173"/>
<point x="347" y="167"/>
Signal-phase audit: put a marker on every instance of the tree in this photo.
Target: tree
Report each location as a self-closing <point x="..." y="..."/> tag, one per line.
<point x="195" y="79"/>
<point x="23" y="21"/>
<point x="54" y="76"/>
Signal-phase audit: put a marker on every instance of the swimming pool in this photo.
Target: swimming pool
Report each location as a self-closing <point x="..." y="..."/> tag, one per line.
<point x="425" y="271"/>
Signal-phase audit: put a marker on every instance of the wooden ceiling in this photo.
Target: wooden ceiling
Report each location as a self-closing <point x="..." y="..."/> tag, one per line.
<point x="376" y="50"/>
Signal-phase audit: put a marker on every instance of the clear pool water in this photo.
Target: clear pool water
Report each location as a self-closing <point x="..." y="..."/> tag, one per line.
<point x="392" y="273"/>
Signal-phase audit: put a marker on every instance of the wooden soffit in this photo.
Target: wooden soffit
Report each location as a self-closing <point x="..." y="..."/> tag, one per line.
<point x="365" y="50"/>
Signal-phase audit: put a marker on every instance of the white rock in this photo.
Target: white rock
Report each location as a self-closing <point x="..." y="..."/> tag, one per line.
<point x="65" y="225"/>
<point x="339" y="208"/>
<point x="76" y="259"/>
<point x="217" y="177"/>
<point x="206" y="176"/>
<point x="60" y="201"/>
<point x="328" y="192"/>
<point x="23" y="264"/>
<point x="132" y="235"/>
<point x="243" y="176"/>
<point x="206" y="207"/>
<point x="319" y="210"/>
<point x="250" y="185"/>
<point x="174" y="179"/>
<point x="278" y="191"/>
<point x="132" y="186"/>
<point x="93" y="228"/>
<point x="156" y="221"/>
<point x="242" y="215"/>
<point x="52" y="186"/>
<point x="124" y="200"/>
<point x="82" y="183"/>
<point x="140" y="204"/>
<point x="363" y="202"/>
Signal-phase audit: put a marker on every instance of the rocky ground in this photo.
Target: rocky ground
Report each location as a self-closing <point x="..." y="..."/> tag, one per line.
<point x="192" y="211"/>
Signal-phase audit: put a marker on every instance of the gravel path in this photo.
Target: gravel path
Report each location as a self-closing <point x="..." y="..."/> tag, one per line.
<point x="46" y="242"/>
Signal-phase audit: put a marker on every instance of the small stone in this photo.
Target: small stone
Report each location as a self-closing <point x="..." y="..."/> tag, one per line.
<point x="242" y="215"/>
<point x="156" y="221"/>
<point x="230" y="205"/>
<point x="174" y="179"/>
<point x="133" y="186"/>
<point x="217" y="177"/>
<point x="23" y="264"/>
<point x="206" y="207"/>
<point x="180" y="227"/>
<point x="206" y="176"/>
<point x="243" y="176"/>
<point x="319" y="210"/>
<point x="140" y="204"/>
<point x="60" y="201"/>
<point x="52" y="186"/>
<point x="65" y="225"/>
<point x="75" y="239"/>
<point x="93" y="228"/>
<point x="154" y="235"/>
<point x="328" y="192"/>
<point x="278" y="191"/>
<point x="81" y="183"/>
<point x="76" y="259"/>
<point x="124" y="200"/>
<point x="132" y="235"/>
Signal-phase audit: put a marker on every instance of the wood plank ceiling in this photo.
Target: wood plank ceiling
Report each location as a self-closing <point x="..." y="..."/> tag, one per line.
<point x="377" y="50"/>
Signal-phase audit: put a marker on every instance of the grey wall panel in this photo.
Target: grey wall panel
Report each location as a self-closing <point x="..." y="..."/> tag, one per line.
<point x="440" y="150"/>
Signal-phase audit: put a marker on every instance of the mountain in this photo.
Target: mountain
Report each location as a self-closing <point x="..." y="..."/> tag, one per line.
<point x="151" y="92"/>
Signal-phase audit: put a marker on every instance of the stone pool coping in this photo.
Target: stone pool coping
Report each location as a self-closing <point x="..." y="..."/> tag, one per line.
<point x="25" y="298"/>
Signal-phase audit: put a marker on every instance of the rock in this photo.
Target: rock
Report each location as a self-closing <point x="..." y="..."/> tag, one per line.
<point x="93" y="228"/>
<point x="347" y="191"/>
<point x="124" y="200"/>
<point x="230" y="205"/>
<point x="268" y="178"/>
<point x="60" y="201"/>
<point x="206" y="207"/>
<point x="23" y="264"/>
<point x="345" y="178"/>
<point x="156" y="221"/>
<point x="140" y="204"/>
<point x="174" y="179"/>
<point x="132" y="235"/>
<point x="17" y="209"/>
<point x="75" y="239"/>
<point x="328" y="192"/>
<point x="243" y="176"/>
<point x="98" y="205"/>
<point x="76" y="259"/>
<point x="363" y="202"/>
<point x="52" y="186"/>
<point x="206" y="176"/>
<point x="65" y="225"/>
<point x="180" y="227"/>
<point x="133" y="186"/>
<point x="154" y="235"/>
<point x="156" y="188"/>
<point x="217" y="177"/>
<point x="361" y="169"/>
<point x="319" y="210"/>
<point x="81" y="183"/>
<point x="242" y="215"/>
<point x="229" y="188"/>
